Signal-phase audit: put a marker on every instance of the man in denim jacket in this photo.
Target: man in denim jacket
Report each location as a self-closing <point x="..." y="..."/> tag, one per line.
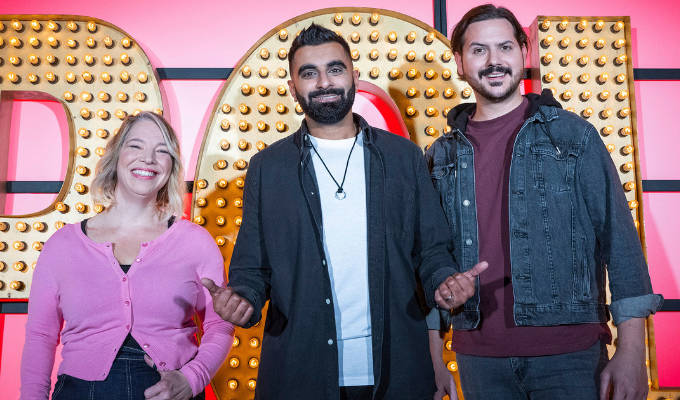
<point x="531" y="189"/>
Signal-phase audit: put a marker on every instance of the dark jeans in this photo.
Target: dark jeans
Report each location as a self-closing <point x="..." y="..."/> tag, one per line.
<point x="128" y="379"/>
<point x="356" y="392"/>
<point x="563" y="376"/>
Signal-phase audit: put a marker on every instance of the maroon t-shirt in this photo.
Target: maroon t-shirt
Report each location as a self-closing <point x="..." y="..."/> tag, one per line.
<point x="497" y="335"/>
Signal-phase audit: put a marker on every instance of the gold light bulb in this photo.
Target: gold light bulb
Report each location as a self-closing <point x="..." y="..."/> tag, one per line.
<point x="81" y="208"/>
<point x="446" y="74"/>
<point x="68" y="96"/>
<point x="142" y="77"/>
<point x="281" y="126"/>
<point x="375" y="18"/>
<point x="262" y="126"/>
<point x="602" y="60"/>
<point x="411" y="92"/>
<point x="140" y="96"/>
<point x="622" y="95"/>
<point x="598" y="25"/>
<point x="549" y="77"/>
<point x="53" y="42"/>
<point x="430" y="92"/>
<point x="604" y="95"/>
<point x="220" y="202"/>
<point x="122" y="97"/>
<point x="14" y="60"/>
<point x="240" y="164"/>
<point x="33" y="41"/>
<point x="467" y="92"/>
<point x="35" y="25"/>
<point x="102" y="133"/>
<point x="547" y="58"/>
<point x="80" y="188"/>
<point x="125" y="76"/>
<point x="103" y="114"/>
<point x="373" y="55"/>
<point x="33" y="78"/>
<point x="392" y="54"/>
<point x="410" y="111"/>
<point x="430" y="56"/>
<point x="620" y="78"/>
<point x="355" y="54"/>
<point x="15" y="42"/>
<point x="582" y="43"/>
<point x="564" y="43"/>
<point x="582" y="25"/>
<point x="17" y="25"/>
<point x="243" y="125"/>
<point x="120" y="114"/>
<point x="282" y="53"/>
<point x="100" y="151"/>
<point x="583" y="78"/>
<point x="199" y="220"/>
<point x="91" y="43"/>
<point x="84" y="133"/>
<point x="545" y="25"/>
<point x="224" y="144"/>
<point x="412" y="73"/>
<point x="355" y="37"/>
<point x="603" y="77"/>
<point x="71" y="60"/>
<point x="232" y="384"/>
<point x="234" y="362"/>
<point x="431" y="131"/>
<point x="264" y="54"/>
<point x="583" y="60"/>
<point x="53" y="26"/>
<point x="392" y="36"/>
<point x="72" y="43"/>
<point x="126" y="42"/>
<point x="607" y="130"/>
<point x="262" y="90"/>
<point x="19" y="245"/>
<point x="85" y="113"/>
<point x="260" y="145"/>
<point x="625" y="131"/>
<point x="246" y="89"/>
<point x="411" y="55"/>
<point x="411" y="37"/>
<point x="82" y="170"/>
<point x="547" y="41"/>
<point x="51" y="59"/>
<point x="298" y="109"/>
<point x="628" y="166"/>
<point x="283" y="34"/>
<point x="587" y="112"/>
<point x="619" y="43"/>
<point x="624" y="112"/>
<point x="431" y="111"/>
<point x="429" y="38"/>
<point x="201" y="184"/>
<point x="262" y="108"/>
<point x="566" y="59"/>
<point x="61" y="207"/>
<point x="21" y="226"/>
<point x="356" y="19"/>
<point x="86" y="96"/>
<point x="606" y="113"/>
<point x="374" y="36"/>
<point x="449" y="92"/>
<point x="281" y="108"/>
<point x="562" y="26"/>
<point x="430" y="74"/>
<point x="629" y="186"/>
<point x="567" y="94"/>
<point x="446" y="56"/>
<point x="627" y="149"/>
<point x="620" y="59"/>
<point x="611" y="147"/>
<point x="222" y="183"/>
<point x="599" y="44"/>
<point x="337" y="19"/>
<point x="39" y="226"/>
<point x="586" y="95"/>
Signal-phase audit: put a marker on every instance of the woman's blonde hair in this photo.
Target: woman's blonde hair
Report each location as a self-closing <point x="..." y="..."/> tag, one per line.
<point x="170" y="198"/>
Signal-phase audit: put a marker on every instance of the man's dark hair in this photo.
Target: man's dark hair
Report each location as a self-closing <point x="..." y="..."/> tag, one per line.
<point x="483" y="13"/>
<point x="314" y="35"/>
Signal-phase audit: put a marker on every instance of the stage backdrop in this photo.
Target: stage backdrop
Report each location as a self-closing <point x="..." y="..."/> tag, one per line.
<point x="217" y="35"/>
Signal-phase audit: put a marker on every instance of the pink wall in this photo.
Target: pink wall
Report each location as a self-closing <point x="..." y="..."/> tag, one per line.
<point x="218" y="33"/>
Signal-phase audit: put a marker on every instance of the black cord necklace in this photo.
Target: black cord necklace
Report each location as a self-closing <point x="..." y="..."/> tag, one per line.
<point x="340" y="193"/>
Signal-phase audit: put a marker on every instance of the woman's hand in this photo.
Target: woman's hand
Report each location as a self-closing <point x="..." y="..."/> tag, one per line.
<point x="172" y="386"/>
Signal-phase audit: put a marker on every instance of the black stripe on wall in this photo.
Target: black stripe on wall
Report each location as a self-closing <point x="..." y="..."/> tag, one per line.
<point x="193" y="73"/>
<point x="440" y="16"/>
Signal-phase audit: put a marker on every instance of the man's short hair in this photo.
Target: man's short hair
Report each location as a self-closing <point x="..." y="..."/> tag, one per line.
<point x="483" y="13"/>
<point x="314" y="35"/>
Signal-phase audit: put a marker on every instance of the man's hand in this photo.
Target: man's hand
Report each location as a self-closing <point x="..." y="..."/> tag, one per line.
<point x="458" y="288"/>
<point x="229" y="305"/>
<point x="625" y="376"/>
<point x="172" y="386"/>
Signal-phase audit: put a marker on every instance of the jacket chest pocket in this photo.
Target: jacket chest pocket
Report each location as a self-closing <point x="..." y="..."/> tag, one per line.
<point x="553" y="170"/>
<point x="444" y="178"/>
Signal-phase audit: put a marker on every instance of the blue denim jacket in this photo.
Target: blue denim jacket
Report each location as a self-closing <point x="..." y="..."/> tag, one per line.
<point x="569" y="221"/>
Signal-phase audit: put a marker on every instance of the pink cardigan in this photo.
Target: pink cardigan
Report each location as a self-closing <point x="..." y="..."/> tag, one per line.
<point x="79" y="283"/>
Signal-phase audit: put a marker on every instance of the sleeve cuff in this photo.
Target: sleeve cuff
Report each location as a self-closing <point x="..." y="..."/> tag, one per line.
<point x="438" y="320"/>
<point x="635" y="307"/>
<point x="194" y="382"/>
<point x="437" y="278"/>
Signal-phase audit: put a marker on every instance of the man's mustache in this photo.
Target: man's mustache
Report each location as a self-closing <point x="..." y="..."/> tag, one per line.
<point x="324" y="92"/>
<point x="494" y="68"/>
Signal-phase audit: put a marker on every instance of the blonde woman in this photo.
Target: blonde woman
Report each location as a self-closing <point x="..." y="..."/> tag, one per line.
<point x="122" y="288"/>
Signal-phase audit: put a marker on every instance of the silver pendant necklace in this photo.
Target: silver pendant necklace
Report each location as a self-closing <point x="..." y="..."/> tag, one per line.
<point x="340" y="194"/>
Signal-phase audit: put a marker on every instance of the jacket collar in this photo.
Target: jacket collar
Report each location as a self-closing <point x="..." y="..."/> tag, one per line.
<point x="542" y="108"/>
<point x="301" y="136"/>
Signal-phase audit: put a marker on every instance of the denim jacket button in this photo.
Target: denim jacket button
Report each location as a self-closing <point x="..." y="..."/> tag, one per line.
<point x="468" y="242"/>
<point x="466" y="203"/>
<point x="463" y="165"/>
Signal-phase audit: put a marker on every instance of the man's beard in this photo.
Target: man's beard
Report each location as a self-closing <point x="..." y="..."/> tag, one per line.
<point x="331" y="112"/>
<point x="482" y="91"/>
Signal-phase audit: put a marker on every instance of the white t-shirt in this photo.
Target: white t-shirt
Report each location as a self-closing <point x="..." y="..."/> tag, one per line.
<point x="344" y="237"/>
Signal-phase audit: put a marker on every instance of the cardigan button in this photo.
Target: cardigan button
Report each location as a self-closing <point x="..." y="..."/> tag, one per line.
<point x="330" y="342"/>
<point x="468" y="242"/>
<point x="328" y="301"/>
<point x="124" y="279"/>
<point x="463" y="165"/>
<point x="162" y="364"/>
<point x="466" y="202"/>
